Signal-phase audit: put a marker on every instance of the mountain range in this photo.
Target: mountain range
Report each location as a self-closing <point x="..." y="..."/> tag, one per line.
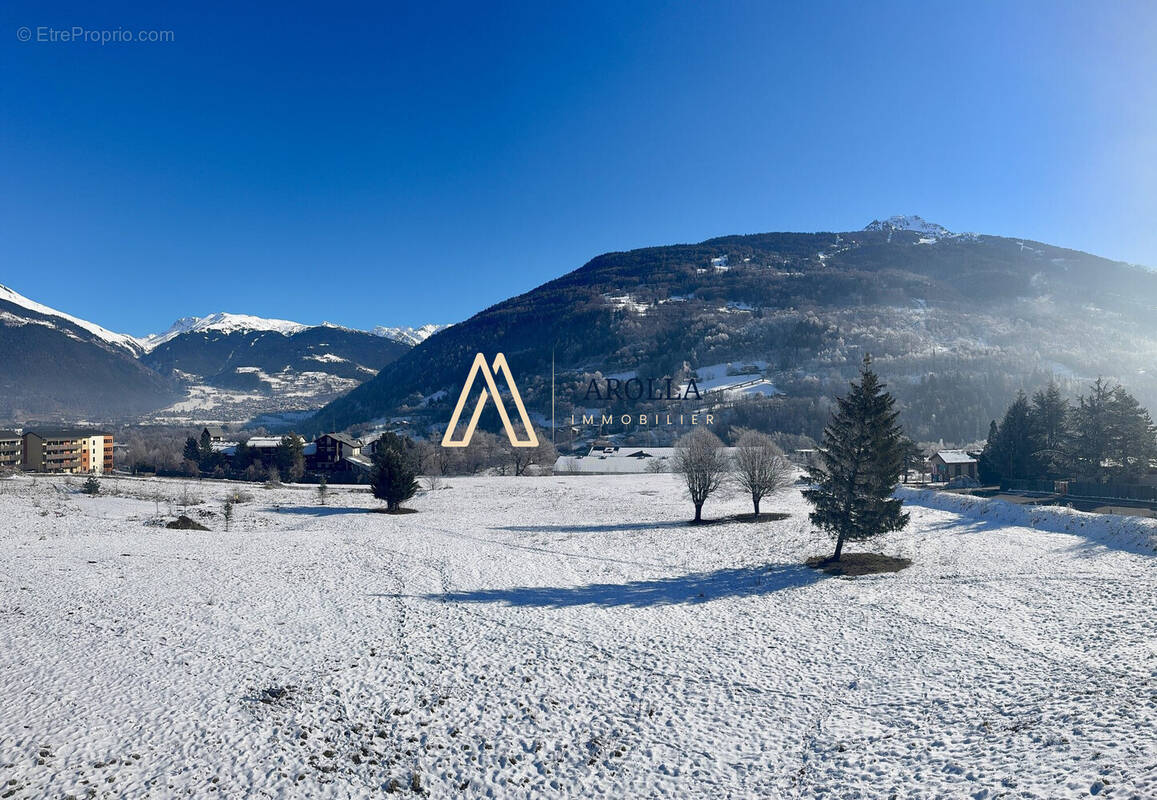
<point x="957" y="323"/>
<point x="220" y="367"/>
<point x="770" y="326"/>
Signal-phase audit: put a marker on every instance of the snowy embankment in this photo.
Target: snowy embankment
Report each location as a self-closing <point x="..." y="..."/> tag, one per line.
<point x="1113" y="530"/>
<point x="563" y="636"/>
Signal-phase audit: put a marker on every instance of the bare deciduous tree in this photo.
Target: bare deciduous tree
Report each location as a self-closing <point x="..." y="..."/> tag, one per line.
<point x="760" y="466"/>
<point x="703" y="463"/>
<point x="544" y="454"/>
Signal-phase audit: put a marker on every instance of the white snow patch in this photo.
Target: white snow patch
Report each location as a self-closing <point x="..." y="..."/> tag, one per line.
<point x="327" y="358"/>
<point x="728" y="374"/>
<point x="626" y="301"/>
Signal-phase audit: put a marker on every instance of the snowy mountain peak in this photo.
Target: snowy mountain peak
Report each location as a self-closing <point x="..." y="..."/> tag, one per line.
<point x="408" y="335"/>
<point x="118" y="339"/>
<point x="908" y="223"/>
<point x="222" y="322"/>
<point x="243" y="323"/>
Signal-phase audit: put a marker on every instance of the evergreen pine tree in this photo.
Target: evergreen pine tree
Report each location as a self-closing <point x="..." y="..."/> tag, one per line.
<point x="1090" y="444"/>
<point x="395" y="475"/>
<point x="1009" y="453"/>
<point x="986" y="468"/>
<point x="290" y="457"/>
<point x="913" y="458"/>
<point x="192" y="450"/>
<point x="1049" y="419"/>
<point x="1132" y="445"/>
<point x="859" y="466"/>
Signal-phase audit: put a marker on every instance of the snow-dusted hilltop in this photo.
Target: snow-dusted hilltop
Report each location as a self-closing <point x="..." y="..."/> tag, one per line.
<point x="17" y="299"/>
<point x="908" y="223"/>
<point x="223" y="322"/>
<point x="408" y="335"/>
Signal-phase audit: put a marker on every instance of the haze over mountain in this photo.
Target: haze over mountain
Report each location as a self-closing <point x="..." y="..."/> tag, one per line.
<point x="957" y="323"/>
<point x="222" y="366"/>
<point x="53" y="364"/>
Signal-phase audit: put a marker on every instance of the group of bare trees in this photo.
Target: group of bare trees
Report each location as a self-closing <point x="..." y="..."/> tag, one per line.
<point x="756" y="466"/>
<point x="488" y="453"/>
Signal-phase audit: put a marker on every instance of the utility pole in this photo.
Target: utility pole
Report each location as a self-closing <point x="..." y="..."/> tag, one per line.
<point x="552" y="423"/>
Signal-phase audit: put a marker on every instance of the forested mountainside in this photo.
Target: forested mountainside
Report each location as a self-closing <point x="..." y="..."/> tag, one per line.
<point x="54" y="365"/>
<point x="956" y="323"/>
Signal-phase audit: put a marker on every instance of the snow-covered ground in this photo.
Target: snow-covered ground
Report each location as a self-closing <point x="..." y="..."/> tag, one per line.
<point x="564" y="636"/>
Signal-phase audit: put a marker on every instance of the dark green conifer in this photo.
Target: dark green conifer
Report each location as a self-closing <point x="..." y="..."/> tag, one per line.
<point x="859" y="465"/>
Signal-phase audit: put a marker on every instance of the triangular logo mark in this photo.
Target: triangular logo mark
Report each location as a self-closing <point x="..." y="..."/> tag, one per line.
<point x="500" y="368"/>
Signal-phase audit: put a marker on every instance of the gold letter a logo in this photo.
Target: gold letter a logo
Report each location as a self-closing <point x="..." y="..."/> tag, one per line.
<point x="491" y="390"/>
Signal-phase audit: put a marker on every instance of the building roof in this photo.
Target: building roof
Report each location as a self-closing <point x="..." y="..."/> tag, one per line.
<point x="267" y="442"/>
<point x="603" y="452"/>
<point x="215" y="432"/>
<point x="955" y="457"/>
<point x="360" y="462"/>
<point x="262" y="442"/>
<point x="9" y="435"/>
<point x="344" y="438"/>
<point x="63" y="433"/>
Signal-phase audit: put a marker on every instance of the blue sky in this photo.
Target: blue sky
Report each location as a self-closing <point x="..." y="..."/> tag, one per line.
<point x="401" y="164"/>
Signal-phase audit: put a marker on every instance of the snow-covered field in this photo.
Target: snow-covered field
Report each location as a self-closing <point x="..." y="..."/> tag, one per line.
<point x="564" y="636"/>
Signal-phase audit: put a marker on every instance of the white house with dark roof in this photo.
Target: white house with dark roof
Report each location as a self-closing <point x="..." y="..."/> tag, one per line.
<point x="949" y="464"/>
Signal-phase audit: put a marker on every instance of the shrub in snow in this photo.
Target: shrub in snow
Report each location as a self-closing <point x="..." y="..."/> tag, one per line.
<point x="237" y="497"/>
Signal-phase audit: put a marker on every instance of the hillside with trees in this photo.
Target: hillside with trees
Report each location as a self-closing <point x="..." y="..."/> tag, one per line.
<point x="957" y="324"/>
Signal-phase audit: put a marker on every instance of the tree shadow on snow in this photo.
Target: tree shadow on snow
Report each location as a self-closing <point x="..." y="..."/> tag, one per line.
<point x="321" y="511"/>
<point x="698" y="587"/>
<point x="610" y="527"/>
<point x="616" y="527"/>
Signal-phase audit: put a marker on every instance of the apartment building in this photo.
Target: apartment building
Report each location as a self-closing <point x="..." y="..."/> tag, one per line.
<point x="10" y="449"/>
<point x="70" y="450"/>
